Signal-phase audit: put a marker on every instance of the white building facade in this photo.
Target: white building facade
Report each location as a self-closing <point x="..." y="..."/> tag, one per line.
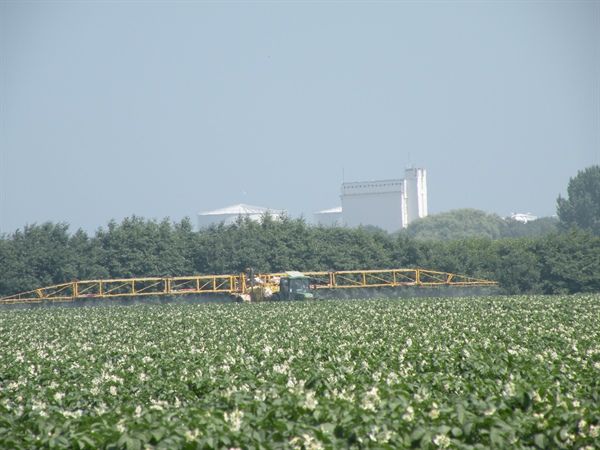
<point x="387" y="204"/>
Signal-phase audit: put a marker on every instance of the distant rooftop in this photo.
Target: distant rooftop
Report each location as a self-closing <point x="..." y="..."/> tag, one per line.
<point x="240" y="209"/>
<point x="522" y="217"/>
<point x="231" y="214"/>
<point x="336" y="210"/>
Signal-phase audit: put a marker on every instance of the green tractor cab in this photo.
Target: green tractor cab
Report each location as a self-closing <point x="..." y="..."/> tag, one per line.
<point x="294" y="286"/>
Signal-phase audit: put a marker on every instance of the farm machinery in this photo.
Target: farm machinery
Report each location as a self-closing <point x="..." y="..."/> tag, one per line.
<point x="277" y="287"/>
<point x="250" y="286"/>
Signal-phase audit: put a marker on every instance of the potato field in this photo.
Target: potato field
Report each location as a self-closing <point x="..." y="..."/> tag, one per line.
<point x="480" y="372"/>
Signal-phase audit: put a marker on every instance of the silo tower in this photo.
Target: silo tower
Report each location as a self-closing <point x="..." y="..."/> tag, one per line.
<point x="415" y="194"/>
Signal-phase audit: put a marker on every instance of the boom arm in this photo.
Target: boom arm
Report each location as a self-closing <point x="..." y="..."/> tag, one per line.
<point x="236" y="284"/>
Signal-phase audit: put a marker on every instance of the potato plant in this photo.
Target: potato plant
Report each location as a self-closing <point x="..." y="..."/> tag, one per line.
<point x="484" y="372"/>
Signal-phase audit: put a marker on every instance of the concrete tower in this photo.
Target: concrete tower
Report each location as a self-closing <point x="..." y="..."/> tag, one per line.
<point x="415" y="195"/>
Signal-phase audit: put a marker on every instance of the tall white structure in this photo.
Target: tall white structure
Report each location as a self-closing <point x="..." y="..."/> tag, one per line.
<point x="415" y="195"/>
<point x="387" y="204"/>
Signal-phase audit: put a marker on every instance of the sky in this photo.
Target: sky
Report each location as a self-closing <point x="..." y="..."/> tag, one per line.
<point x="110" y="109"/>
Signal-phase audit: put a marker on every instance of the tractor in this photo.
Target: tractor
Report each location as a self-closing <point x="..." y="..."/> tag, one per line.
<point x="280" y="287"/>
<point x="293" y="286"/>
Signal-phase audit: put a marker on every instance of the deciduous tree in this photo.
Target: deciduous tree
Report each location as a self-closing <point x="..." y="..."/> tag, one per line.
<point x="582" y="205"/>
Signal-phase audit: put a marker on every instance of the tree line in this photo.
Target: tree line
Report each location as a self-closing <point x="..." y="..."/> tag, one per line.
<point x="471" y="223"/>
<point x="47" y="254"/>
<point x="547" y="256"/>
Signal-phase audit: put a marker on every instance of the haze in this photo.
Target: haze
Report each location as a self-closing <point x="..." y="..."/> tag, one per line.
<point x="167" y="109"/>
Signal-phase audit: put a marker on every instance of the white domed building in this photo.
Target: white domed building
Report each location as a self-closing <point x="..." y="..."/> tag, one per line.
<point x="230" y="214"/>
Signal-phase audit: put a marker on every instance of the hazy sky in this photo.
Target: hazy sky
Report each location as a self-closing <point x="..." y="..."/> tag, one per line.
<point x="167" y="109"/>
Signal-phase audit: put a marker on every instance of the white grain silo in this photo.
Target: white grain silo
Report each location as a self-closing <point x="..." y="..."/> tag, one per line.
<point x="387" y="204"/>
<point x="415" y="195"/>
<point x="377" y="203"/>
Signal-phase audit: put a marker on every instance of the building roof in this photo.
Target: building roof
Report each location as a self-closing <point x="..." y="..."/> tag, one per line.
<point x="240" y="209"/>
<point x="372" y="187"/>
<point x="521" y="217"/>
<point x="337" y="209"/>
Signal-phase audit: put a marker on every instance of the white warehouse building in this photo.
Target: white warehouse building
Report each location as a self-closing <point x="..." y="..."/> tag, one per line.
<point x="329" y="217"/>
<point x="230" y="214"/>
<point x="387" y="204"/>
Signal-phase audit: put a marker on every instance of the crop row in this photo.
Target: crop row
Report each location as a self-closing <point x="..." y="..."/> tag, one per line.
<point x="481" y="372"/>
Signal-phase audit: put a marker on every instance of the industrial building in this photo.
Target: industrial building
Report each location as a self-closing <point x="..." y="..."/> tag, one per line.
<point x="329" y="217"/>
<point x="387" y="204"/>
<point x="230" y="214"/>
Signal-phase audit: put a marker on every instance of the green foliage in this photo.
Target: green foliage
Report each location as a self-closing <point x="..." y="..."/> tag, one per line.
<point x="351" y="249"/>
<point x="476" y="257"/>
<point x="471" y="223"/>
<point x="46" y="255"/>
<point x="519" y="267"/>
<point x="582" y="207"/>
<point x="490" y="372"/>
<point x="454" y="225"/>
<point x="571" y="262"/>
<point x="144" y="248"/>
<point x="289" y="244"/>
<point x="41" y="255"/>
<point x="533" y="228"/>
